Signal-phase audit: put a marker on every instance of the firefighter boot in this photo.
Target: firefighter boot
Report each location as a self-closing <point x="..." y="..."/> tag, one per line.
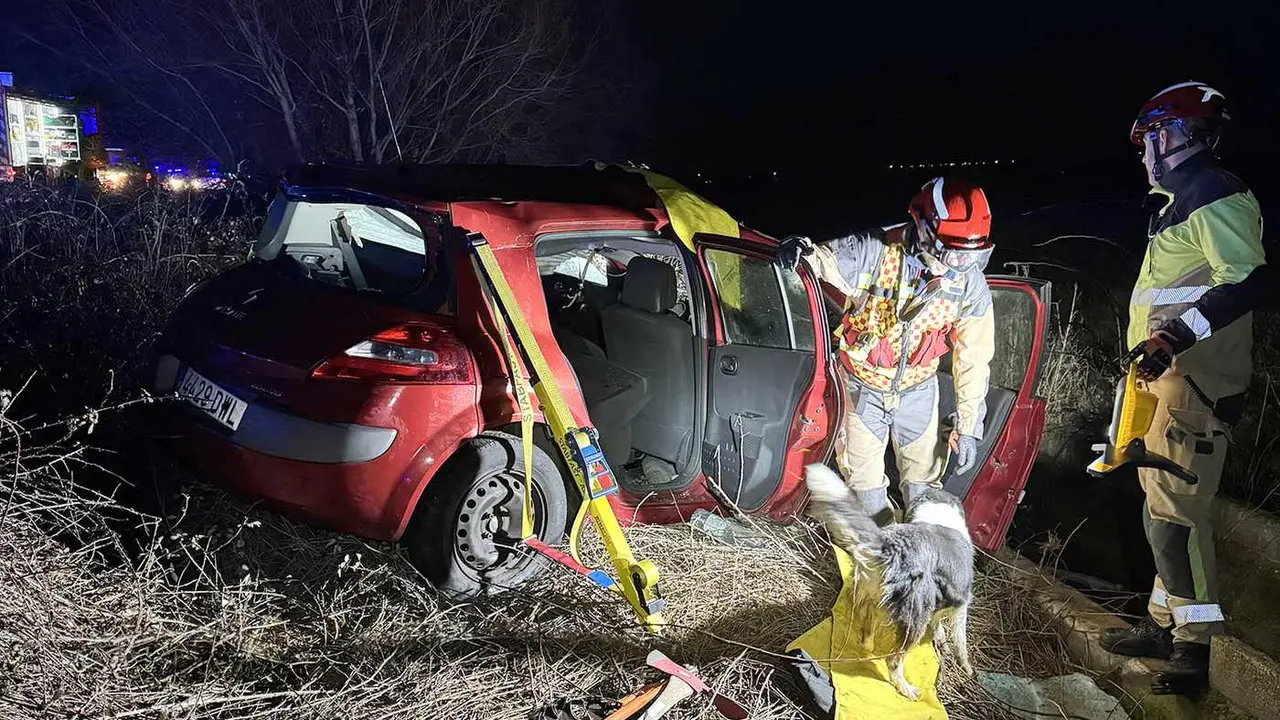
<point x="1146" y="639"/>
<point x="1187" y="672"/>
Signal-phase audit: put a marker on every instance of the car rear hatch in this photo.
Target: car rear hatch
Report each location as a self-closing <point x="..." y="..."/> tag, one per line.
<point x="328" y="278"/>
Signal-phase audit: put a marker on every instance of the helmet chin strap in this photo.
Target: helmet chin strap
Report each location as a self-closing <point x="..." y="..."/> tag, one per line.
<point x="916" y="244"/>
<point x="936" y="267"/>
<point x="1159" y="157"/>
<point x="911" y="238"/>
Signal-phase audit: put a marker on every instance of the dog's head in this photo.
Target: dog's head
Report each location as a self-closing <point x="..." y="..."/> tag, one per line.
<point x="937" y="507"/>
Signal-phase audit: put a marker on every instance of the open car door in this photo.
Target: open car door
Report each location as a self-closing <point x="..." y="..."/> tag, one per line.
<point x="768" y="393"/>
<point x="992" y="489"/>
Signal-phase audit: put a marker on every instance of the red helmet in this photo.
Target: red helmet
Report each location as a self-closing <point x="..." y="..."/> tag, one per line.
<point x="1184" y="101"/>
<point x="957" y="212"/>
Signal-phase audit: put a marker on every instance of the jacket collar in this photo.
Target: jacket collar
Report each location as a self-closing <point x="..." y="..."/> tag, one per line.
<point x="1177" y="179"/>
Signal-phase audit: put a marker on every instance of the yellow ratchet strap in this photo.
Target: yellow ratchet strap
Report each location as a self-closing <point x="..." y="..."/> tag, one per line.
<point x="637" y="580"/>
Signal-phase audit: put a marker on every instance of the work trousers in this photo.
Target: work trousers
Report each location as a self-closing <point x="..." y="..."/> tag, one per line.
<point x="873" y="419"/>
<point x="1177" y="514"/>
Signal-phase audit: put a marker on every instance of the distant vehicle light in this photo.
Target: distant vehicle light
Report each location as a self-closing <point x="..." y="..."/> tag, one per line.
<point x="175" y="183"/>
<point x="113" y="180"/>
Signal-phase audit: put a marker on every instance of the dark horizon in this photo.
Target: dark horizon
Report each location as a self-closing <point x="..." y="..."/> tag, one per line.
<point x="722" y="95"/>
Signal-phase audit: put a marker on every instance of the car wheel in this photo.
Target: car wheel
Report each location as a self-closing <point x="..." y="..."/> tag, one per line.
<point x="463" y="533"/>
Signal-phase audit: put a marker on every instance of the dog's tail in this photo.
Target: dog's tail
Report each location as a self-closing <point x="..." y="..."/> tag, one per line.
<point x="833" y="505"/>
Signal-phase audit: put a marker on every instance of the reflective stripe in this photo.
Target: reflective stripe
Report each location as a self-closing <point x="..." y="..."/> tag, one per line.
<point x="1188" y="614"/>
<point x="1169" y="296"/>
<point x="1198" y="323"/>
<point x="1159" y="597"/>
<point x="938" y="203"/>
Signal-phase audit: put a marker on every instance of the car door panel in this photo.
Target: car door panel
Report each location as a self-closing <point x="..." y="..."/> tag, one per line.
<point x="747" y="436"/>
<point x="993" y="490"/>
<point x="767" y="392"/>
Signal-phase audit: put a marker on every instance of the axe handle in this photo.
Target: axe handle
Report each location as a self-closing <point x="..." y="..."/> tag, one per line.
<point x="675" y="692"/>
<point x="635" y="702"/>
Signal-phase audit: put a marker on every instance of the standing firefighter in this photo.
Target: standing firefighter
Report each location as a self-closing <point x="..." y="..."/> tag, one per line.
<point x="915" y="291"/>
<point x="1191" y="327"/>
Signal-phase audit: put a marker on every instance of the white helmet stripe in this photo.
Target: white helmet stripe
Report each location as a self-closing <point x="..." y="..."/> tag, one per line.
<point x="1208" y="91"/>
<point x="939" y="204"/>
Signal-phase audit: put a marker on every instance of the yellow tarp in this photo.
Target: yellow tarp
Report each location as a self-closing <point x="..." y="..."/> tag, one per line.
<point x="858" y="629"/>
<point x="691" y="214"/>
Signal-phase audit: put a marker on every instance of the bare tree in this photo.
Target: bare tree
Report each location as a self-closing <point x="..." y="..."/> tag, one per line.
<point x="361" y="80"/>
<point x="127" y="45"/>
<point x="259" y="60"/>
<point x="427" y="80"/>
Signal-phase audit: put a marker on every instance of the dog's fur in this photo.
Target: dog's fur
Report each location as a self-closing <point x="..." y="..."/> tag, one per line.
<point x="924" y="564"/>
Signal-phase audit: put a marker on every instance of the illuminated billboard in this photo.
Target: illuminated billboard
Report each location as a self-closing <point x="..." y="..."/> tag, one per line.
<point x="40" y="133"/>
<point x="5" y="159"/>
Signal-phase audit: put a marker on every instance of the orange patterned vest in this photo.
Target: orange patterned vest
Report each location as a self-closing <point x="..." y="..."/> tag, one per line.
<point x="870" y="337"/>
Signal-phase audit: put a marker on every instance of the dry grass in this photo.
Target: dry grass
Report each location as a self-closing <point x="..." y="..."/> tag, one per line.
<point x="1253" y="463"/>
<point x="87" y="282"/>
<point x="221" y="610"/>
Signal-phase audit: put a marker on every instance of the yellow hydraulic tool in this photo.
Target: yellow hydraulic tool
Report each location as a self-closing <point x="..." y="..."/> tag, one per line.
<point x="1135" y="408"/>
<point x="637" y="580"/>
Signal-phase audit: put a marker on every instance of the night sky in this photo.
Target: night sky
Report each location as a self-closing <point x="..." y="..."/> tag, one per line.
<point x="829" y="98"/>
<point x="729" y="88"/>
<point x="745" y="81"/>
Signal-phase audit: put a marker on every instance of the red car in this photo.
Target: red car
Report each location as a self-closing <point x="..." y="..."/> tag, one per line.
<point x="349" y="375"/>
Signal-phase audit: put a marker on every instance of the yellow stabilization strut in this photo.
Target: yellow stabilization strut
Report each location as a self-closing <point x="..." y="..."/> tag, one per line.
<point x="637" y="580"/>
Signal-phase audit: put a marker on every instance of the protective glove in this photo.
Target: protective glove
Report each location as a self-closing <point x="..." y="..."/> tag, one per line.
<point x="791" y="249"/>
<point x="966" y="449"/>
<point x="1157" y="352"/>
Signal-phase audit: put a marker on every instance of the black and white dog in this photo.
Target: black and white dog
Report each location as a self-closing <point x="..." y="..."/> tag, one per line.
<point x="924" y="565"/>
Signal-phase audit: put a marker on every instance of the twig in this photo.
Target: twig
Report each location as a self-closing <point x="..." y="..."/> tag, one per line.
<point x="214" y="700"/>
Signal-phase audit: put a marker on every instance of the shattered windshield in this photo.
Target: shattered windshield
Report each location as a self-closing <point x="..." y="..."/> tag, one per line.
<point x="585" y="264"/>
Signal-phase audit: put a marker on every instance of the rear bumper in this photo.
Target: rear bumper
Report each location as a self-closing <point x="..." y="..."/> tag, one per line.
<point x="353" y="478"/>
<point x="346" y="498"/>
<point x="289" y="437"/>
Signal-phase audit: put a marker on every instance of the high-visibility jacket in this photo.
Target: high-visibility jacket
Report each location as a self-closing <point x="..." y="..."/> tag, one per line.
<point x="889" y="355"/>
<point x="1204" y="248"/>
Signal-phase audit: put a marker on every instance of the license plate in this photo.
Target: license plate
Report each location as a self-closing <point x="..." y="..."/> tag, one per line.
<point x="213" y="400"/>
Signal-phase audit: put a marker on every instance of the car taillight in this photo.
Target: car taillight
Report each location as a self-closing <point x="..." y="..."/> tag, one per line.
<point x="410" y="353"/>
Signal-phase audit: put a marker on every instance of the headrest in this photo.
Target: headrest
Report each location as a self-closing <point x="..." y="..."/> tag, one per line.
<point x="649" y="285"/>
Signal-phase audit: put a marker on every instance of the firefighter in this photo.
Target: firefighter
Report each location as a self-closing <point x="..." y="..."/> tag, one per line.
<point x="1190" y="324"/>
<point x="914" y="292"/>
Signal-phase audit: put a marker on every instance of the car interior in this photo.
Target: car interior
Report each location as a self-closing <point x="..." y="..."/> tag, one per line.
<point x="619" y="309"/>
<point x="365" y="248"/>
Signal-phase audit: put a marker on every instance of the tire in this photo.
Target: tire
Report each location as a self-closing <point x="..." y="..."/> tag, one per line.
<point x="479" y="493"/>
